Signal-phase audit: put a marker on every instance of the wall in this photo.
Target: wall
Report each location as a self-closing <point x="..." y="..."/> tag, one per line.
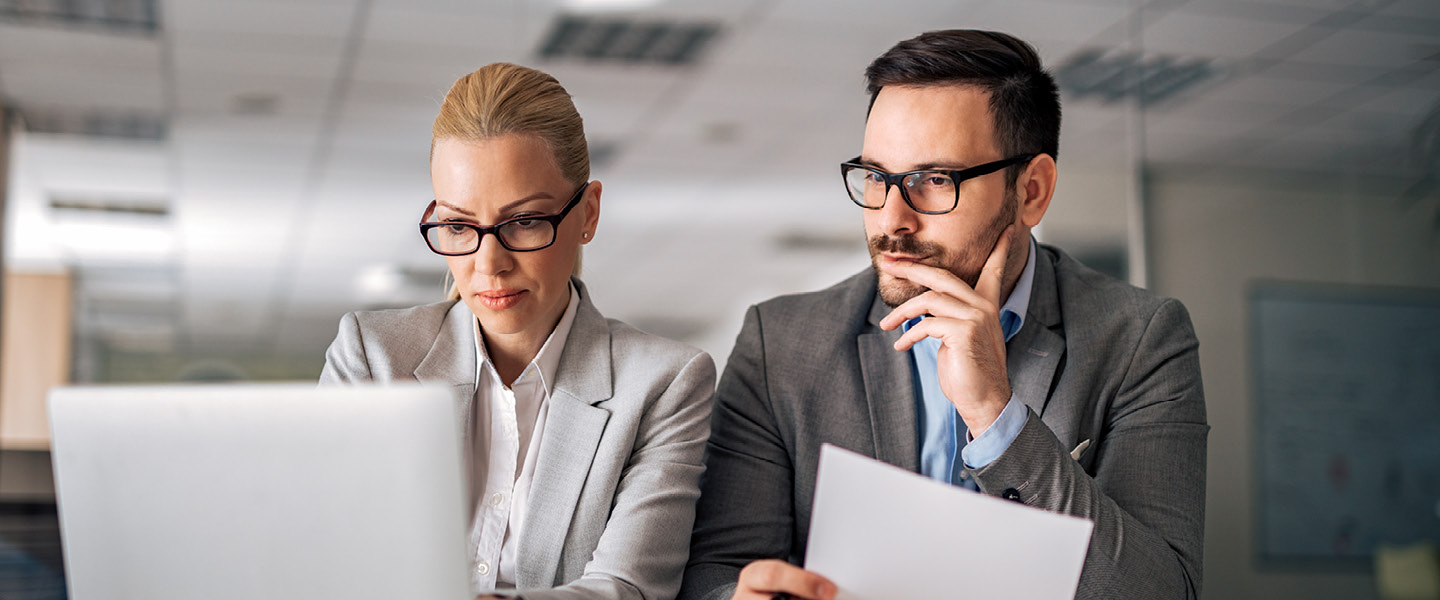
<point x="35" y="355"/>
<point x="1214" y="231"/>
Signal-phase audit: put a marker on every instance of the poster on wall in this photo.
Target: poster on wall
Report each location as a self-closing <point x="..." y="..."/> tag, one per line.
<point x="1346" y="389"/>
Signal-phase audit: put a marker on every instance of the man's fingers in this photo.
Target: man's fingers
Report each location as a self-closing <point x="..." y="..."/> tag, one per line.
<point x="768" y="577"/>
<point x="929" y="303"/>
<point x="951" y="330"/>
<point x="919" y="332"/>
<point x="992" y="275"/>
<point x="932" y="277"/>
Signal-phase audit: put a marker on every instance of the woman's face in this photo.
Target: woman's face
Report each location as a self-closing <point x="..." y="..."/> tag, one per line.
<point x="516" y="295"/>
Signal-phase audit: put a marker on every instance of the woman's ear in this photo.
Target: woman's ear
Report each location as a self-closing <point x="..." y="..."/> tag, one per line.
<point x="591" y="202"/>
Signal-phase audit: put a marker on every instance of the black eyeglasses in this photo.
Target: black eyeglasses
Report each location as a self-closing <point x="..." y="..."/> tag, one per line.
<point x="928" y="191"/>
<point x="521" y="234"/>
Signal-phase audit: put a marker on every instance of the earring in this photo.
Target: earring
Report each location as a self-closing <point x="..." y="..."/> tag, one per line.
<point x="585" y="235"/>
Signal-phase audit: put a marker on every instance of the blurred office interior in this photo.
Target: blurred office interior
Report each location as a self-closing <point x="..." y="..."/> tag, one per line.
<point x="196" y="190"/>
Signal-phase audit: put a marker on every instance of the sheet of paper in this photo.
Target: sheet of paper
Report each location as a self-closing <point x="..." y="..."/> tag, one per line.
<point x="881" y="532"/>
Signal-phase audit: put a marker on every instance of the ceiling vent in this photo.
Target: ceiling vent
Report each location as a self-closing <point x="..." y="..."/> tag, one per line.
<point x="115" y="16"/>
<point x="131" y="126"/>
<point x="1112" y="77"/>
<point x="627" y="42"/>
<point x="68" y="205"/>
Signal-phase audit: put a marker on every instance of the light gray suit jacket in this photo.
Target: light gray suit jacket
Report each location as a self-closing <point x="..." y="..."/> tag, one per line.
<point x="1096" y="359"/>
<point x="615" y="484"/>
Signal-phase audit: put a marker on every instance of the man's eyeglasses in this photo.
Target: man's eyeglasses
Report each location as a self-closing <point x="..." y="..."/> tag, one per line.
<point x="521" y="234"/>
<point x="928" y="191"/>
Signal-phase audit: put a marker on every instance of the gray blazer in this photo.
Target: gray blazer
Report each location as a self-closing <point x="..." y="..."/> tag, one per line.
<point x="615" y="483"/>
<point x="1095" y="360"/>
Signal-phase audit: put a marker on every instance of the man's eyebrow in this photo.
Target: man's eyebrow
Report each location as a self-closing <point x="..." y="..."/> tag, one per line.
<point x="503" y="209"/>
<point x="930" y="166"/>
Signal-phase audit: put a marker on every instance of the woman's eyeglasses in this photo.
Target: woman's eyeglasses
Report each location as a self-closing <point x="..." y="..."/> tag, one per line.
<point x="521" y="234"/>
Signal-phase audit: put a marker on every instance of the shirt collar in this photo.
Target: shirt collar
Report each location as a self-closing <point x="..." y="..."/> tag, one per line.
<point x="547" y="360"/>
<point x="1012" y="313"/>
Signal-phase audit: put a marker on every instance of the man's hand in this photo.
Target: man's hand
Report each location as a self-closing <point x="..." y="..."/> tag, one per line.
<point x="971" y="361"/>
<point x="762" y="579"/>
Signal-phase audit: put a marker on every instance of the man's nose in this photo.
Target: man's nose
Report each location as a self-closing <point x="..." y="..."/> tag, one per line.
<point x="896" y="217"/>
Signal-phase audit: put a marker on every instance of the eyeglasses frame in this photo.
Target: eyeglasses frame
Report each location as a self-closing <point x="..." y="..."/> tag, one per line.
<point x="958" y="176"/>
<point x="553" y="219"/>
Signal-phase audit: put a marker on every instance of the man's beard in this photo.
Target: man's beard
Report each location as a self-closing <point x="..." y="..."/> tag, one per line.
<point x="965" y="262"/>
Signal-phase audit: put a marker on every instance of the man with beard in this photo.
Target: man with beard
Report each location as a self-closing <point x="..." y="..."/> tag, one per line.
<point x="967" y="352"/>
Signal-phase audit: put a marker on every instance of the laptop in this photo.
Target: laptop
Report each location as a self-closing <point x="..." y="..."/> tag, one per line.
<point x="260" y="491"/>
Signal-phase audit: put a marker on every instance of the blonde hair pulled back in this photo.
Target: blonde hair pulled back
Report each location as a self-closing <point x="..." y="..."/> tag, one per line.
<point x="503" y="98"/>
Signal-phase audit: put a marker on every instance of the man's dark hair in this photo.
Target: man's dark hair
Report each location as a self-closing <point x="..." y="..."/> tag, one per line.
<point x="1023" y="98"/>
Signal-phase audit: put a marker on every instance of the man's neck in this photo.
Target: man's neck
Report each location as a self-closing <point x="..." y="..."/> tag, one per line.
<point x="1015" y="268"/>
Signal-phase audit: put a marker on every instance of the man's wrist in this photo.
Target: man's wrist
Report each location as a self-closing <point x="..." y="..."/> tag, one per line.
<point x="982" y="449"/>
<point x="978" y="421"/>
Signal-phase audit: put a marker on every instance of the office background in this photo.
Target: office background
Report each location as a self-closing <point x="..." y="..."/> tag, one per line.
<point x="198" y="189"/>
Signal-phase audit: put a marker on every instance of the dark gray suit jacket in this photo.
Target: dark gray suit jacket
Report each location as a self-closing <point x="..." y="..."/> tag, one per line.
<point x="1096" y="359"/>
<point x="613" y="496"/>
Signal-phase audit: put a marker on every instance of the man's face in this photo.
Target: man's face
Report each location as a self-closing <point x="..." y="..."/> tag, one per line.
<point x="937" y="127"/>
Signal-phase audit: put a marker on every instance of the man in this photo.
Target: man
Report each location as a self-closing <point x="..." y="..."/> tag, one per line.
<point x="967" y="352"/>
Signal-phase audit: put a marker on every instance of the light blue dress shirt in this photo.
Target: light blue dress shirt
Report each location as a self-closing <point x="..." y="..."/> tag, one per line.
<point x="944" y="451"/>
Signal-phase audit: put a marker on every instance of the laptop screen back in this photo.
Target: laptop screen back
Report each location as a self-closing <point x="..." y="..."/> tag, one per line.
<point x="271" y="491"/>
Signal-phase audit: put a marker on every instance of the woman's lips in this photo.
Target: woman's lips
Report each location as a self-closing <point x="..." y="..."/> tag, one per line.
<point x="501" y="299"/>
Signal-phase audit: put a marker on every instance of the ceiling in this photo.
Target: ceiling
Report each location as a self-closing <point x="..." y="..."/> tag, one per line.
<point x="292" y="165"/>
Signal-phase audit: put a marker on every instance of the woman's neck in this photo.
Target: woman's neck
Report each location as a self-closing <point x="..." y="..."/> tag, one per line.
<point x="511" y="353"/>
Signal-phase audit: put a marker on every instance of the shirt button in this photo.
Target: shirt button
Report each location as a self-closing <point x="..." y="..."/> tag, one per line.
<point x="483" y="569"/>
<point x="496" y="499"/>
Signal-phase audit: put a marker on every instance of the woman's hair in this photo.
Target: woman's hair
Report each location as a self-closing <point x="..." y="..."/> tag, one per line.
<point x="503" y="98"/>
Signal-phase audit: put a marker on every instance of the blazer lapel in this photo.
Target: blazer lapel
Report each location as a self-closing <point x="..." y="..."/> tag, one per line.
<point x="889" y="391"/>
<point x="1034" y="354"/>
<point x="573" y="429"/>
<point x="451" y="362"/>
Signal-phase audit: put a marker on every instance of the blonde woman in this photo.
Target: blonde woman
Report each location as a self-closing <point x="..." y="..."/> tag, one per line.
<point x="585" y="434"/>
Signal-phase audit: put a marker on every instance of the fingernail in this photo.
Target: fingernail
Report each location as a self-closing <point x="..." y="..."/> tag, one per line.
<point x="827" y="590"/>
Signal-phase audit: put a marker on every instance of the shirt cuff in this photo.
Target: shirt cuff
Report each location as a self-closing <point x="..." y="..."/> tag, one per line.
<point x="996" y="439"/>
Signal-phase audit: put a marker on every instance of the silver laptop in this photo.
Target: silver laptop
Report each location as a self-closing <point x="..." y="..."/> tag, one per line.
<point x="270" y="491"/>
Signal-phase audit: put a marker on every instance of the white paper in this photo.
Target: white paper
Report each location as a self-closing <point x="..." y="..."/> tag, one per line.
<point x="883" y="533"/>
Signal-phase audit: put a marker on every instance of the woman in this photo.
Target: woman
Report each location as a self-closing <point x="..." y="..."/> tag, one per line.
<point x="585" y="434"/>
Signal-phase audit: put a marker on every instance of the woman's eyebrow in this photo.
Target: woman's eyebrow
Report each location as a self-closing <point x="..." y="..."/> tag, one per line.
<point x="503" y="209"/>
<point x="454" y="208"/>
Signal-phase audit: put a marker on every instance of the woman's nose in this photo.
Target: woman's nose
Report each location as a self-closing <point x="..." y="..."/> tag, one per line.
<point x="492" y="258"/>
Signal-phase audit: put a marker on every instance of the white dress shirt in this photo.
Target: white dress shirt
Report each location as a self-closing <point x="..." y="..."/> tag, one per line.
<point x="509" y="422"/>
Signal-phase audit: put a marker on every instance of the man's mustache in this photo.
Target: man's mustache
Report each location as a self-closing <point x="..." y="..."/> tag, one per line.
<point x="903" y="244"/>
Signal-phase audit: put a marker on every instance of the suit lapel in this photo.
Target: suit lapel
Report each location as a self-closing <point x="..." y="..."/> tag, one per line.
<point x="1034" y="354"/>
<point x="573" y="429"/>
<point x="451" y="362"/>
<point x="889" y="391"/>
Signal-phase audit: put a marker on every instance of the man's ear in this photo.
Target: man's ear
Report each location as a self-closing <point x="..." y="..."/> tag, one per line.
<point x="1035" y="187"/>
